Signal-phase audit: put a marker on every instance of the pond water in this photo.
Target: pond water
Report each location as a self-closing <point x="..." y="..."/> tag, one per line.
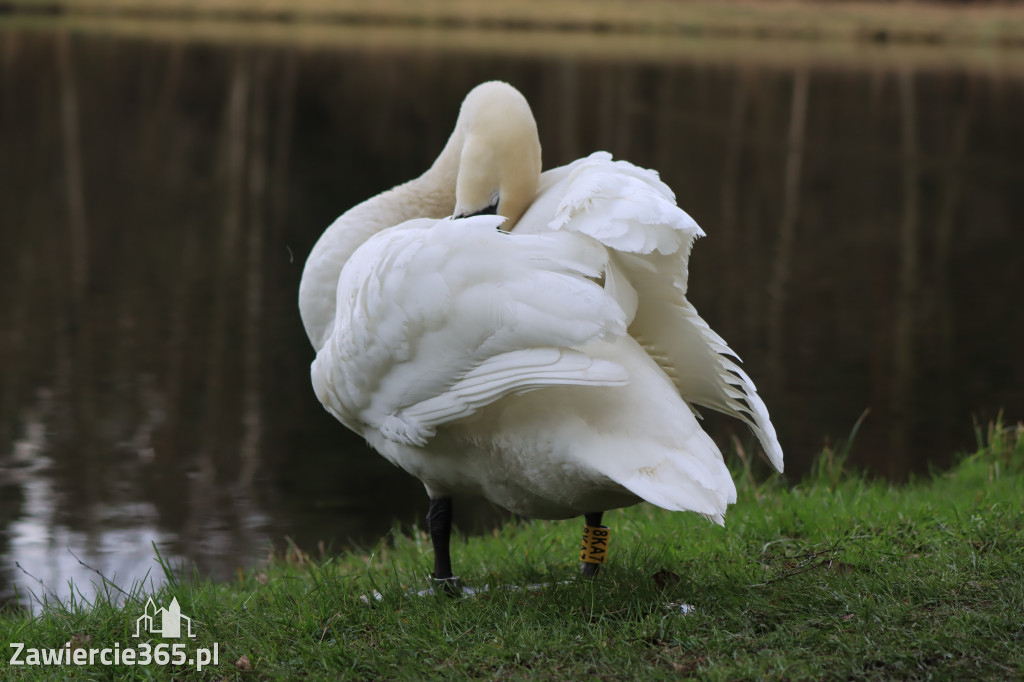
<point x="158" y="199"/>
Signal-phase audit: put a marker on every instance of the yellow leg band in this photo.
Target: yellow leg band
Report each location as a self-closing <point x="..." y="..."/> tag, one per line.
<point x="595" y="544"/>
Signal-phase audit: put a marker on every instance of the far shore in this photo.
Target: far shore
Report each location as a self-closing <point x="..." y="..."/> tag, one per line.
<point x="929" y="23"/>
<point x="981" y="38"/>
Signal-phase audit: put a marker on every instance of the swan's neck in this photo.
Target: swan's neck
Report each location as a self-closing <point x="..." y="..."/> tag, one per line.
<point x="432" y="195"/>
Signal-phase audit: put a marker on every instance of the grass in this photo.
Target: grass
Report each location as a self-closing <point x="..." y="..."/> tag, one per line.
<point x="837" y="577"/>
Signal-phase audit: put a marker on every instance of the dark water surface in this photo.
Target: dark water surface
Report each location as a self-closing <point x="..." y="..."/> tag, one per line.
<point x="865" y="251"/>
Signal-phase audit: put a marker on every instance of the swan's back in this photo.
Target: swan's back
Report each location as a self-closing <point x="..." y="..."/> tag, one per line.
<point x="437" y="318"/>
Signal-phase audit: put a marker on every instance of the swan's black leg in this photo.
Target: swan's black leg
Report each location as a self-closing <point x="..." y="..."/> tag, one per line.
<point x="439" y="521"/>
<point x="593" y="519"/>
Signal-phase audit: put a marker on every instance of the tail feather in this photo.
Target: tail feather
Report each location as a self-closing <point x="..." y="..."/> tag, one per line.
<point x="689" y="478"/>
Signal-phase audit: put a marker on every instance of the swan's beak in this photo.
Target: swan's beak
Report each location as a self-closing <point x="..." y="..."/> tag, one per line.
<point x="487" y="210"/>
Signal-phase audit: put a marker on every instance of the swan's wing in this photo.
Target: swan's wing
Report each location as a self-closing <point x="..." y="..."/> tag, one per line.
<point x="697" y="359"/>
<point x="623" y="206"/>
<point x="437" y="318"/>
<point x="630" y="210"/>
<point x="513" y="372"/>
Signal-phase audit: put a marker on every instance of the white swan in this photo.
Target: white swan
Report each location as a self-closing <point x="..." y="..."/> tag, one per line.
<point x="549" y="369"/>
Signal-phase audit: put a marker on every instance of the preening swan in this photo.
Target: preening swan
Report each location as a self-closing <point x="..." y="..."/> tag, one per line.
<point x="544" y="357"/>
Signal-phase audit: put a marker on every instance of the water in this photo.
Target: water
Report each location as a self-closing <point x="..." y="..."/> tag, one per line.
<point x="158" y="198"/>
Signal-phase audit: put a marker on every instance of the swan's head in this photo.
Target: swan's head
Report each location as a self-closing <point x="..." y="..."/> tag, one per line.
<point x="499" y="167"/>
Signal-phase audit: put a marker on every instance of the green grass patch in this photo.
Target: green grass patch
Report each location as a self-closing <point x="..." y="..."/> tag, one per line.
<point x="838" y="577"/>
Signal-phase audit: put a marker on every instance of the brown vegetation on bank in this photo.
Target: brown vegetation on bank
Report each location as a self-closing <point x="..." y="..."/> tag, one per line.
<point x="882" y="22"/>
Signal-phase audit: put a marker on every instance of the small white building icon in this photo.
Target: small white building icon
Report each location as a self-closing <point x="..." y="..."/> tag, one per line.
<point x="170" y="620"/>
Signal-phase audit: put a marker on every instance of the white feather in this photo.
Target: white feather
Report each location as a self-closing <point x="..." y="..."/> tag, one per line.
<point x="631" y="211"/>
<point x="437" y="318"/>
